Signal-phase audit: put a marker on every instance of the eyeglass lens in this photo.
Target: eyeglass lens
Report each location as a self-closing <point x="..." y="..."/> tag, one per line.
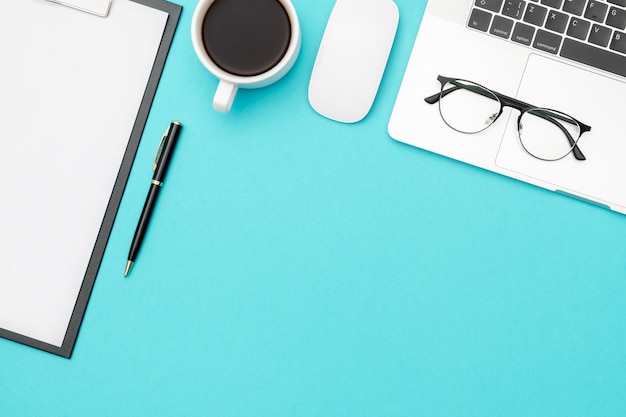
<point x="547" y="134"/>
<point x="468" y="107"/>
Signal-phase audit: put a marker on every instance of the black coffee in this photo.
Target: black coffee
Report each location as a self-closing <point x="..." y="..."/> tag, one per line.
<point x="246" y="37"/>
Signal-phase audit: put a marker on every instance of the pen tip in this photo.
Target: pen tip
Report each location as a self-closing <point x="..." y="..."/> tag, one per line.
<point x="128" y="266"/>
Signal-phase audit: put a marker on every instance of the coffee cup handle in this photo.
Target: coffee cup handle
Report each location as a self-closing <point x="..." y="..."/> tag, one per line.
<point x="224" y="96"/>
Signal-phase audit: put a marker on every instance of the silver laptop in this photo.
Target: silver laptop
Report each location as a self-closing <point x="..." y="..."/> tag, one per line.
<point x="534" y="90"/>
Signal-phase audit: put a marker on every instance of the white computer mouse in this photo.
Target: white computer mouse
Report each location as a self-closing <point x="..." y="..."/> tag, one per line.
<point x="352" y="57"/>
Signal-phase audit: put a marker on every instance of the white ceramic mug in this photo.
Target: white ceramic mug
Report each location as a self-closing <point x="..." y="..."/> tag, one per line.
<point x="229" y="82"/>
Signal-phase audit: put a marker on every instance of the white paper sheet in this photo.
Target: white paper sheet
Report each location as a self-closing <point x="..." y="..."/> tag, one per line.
<point x="71" y="85"/>
<point x="98" y="7"/>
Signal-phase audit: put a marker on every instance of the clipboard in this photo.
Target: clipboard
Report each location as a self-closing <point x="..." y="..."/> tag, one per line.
<point x="76" y="89"/>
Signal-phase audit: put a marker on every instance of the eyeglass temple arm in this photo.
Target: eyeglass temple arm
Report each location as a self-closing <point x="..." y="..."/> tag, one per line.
<point x="435" y="97"/>
<point x="520" y="105"/>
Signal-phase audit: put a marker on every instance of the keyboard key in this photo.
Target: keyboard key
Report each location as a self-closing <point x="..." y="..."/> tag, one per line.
<point x="596" y="11"/>
<point x="513" y="8"/>
<point x="599" y="35"/>
<point x="594" y="56"/>
<point x="557" y="21"/>
<point x="618" y="2"/>
<point x="479" y="19"/>
<point x="578" y="28"/>
<point x="616" y="18"/>
<point x="535" y="15"/>
<point x="574" y="6"/>
<point x="493" y="5"/>
<point x="501" y="27"/>
<point x="555" y="4"/>
<point x="547" y="41"/>
<point x="618" y="42"/>
<point x="523" y="34"/>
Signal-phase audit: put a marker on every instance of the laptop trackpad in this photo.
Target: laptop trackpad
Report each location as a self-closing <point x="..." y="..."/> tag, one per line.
<point x="593" y="99"/>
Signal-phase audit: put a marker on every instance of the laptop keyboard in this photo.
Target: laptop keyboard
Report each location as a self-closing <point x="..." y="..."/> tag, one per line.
<point x="587" y="31"/>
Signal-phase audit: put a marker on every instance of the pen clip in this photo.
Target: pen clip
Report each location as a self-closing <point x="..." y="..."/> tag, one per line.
<point x="157" y="156"/>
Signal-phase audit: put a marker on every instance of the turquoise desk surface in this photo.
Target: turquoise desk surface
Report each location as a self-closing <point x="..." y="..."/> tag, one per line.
<point x="296" y="266"/>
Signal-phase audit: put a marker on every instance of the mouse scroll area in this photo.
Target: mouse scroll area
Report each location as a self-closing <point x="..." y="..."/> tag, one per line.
<point x="352" y="58"/>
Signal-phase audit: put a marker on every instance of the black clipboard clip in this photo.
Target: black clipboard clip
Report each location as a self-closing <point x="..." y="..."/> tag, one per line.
<point x="82" y="9"/>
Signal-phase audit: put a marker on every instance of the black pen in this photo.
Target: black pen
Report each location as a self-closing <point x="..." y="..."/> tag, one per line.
<point x="161" y="162"/>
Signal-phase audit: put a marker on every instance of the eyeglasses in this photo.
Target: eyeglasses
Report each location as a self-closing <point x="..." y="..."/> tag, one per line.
<point x="545" y="134"/>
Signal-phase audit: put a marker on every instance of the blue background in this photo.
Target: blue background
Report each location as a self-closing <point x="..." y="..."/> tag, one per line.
<point x="296" y="266"/>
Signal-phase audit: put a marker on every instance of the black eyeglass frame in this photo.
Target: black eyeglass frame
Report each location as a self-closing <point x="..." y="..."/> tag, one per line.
<point x="506" y="101"/>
